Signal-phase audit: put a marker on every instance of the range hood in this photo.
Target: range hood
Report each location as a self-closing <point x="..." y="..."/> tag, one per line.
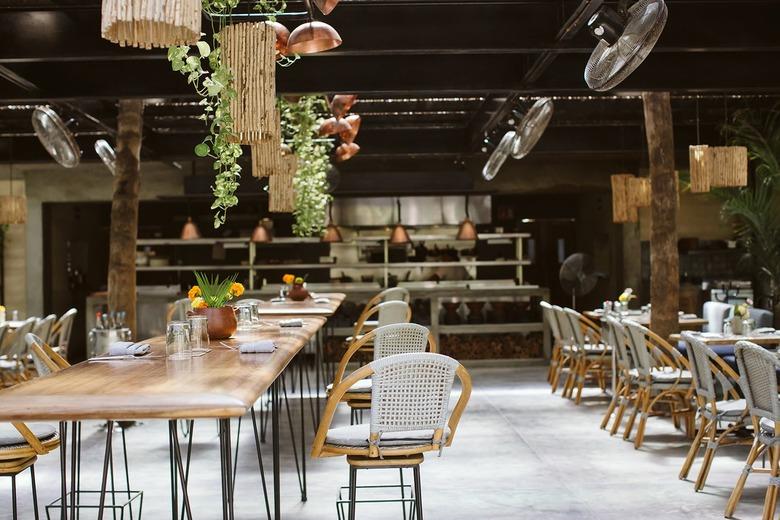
<point x="415" y="211"/>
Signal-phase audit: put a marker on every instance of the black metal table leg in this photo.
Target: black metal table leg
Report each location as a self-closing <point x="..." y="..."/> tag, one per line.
<point x="174" y="478"/>
<point x="227" y="472"/>
<point x="275" y="447"/>
<point x="106" y="458"/>
<point x="180" y="467"/>
<point x="302" y="360"/>
<point x="63" y="470"/>
<point x="73" y="453"/>
<point x="260" y="464"/>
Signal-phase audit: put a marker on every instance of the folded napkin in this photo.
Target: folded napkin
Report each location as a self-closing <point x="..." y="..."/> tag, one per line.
<point x="277" y="300"/>
<point x="128" y="348"/>
<point x="257" y="347"/>
<point x="293" y="322"/>
<point x="688" y="316"/>
<point x="322" y="300"/>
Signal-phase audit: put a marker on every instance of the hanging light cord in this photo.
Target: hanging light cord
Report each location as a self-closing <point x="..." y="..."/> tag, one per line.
<point x="467" y="208"/>
<point x="698" y="126"/>
<point x="398" y="205"/>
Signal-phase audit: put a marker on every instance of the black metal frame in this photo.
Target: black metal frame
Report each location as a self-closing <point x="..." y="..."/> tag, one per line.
<point x="414" y="500"/>
<point x="13" y="491"/>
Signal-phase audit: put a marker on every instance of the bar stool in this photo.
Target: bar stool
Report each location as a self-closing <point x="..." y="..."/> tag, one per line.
<point x="409" y="416"/>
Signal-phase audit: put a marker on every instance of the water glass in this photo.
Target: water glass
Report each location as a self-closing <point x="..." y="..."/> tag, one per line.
<point x="199" y="332"/>
<point x="748" y="326"/>
<point x="177" y="341"/>
<point x="244" y="316"/>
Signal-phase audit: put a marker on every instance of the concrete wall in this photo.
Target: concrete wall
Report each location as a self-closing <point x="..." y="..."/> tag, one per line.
<point x="52" y="183"/>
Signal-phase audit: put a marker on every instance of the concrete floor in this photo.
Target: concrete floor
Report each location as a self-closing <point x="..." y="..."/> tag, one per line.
<point x="520" y="453"/>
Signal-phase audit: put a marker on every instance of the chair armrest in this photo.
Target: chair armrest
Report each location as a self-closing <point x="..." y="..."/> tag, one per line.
<point x="465" y="394"/>
<point x="353" y="347"/>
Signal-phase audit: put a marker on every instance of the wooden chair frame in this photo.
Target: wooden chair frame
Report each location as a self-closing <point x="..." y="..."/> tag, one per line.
<point x="587" y="366"/>
<point x="369" y="312"/>
<point x="372" y="452"/>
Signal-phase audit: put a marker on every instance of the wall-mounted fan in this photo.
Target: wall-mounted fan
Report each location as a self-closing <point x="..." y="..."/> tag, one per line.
<point x="499" y="155"/>
<point x="55" y="137"/>
<point x="577" y="276"/>
<point x="531" y="127"/>
<point x="107" y="154"/>
<point x="624" y="41"/>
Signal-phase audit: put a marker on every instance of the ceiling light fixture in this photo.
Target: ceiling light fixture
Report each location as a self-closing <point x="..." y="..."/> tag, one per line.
<point x="313" y="36"/>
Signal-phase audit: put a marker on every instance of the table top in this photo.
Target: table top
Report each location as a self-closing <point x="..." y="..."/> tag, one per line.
<point x="643" y="318"/>
<point x="714" y="338"/>
<point x="304" y="308"/>
<point x="222" y="383"/>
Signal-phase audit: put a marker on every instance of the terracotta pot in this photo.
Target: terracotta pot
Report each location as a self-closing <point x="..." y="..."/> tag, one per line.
<point x="298" y="293"/>
<point x="222" y="321"/>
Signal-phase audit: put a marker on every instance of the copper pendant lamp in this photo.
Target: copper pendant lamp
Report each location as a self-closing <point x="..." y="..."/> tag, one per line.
<point x="262" y="231"/>
<point x="467" y="230"/>
<point x="190" y="230"/>
<point x="326" y="6"/>
<point x="399" y="235"/>
<point x="313" y="36"/>
<point x="332" y="233"/>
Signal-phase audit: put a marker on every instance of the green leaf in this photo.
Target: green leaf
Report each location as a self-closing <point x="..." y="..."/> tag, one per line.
<point x="204" y="49"/>
<point x="201" y="150"/>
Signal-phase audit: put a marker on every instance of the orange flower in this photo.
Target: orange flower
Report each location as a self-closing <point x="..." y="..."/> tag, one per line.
<point x="236" y="289"/>
<point x="199" y="303"/>
<point x="194" y="292"/>
<point x="288" y="278"/>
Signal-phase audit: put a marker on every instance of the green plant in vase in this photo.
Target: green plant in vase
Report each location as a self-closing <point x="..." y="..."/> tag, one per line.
<point x="210" y="298"/>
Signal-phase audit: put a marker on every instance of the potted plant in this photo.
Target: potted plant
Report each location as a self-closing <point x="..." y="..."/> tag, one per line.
<point x="296" y="291"/>
<point x="210" y="298"/>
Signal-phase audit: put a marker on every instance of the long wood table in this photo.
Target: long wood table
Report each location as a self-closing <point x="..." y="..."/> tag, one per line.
<point x="731" y="339"/>
<point x="643" y="318"/>
<point x="221" y="384"/>
<point x="307" y="307"/>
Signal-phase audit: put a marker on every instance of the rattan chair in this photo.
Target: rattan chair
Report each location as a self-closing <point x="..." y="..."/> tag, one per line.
<point x="758" y="380"/>
<point x="13" y="366"/>
<point x="662" y="376"/>
<point x="177" y="311"/>
<point x="566" y="357"/>
<point x="728" y="415"/>
<point x="389" y="312"/>
<point x="43" y="327"/>
<point x="20" y="446"/>
<point x="60" y="333"/>
<point x="388" y="295"/>
<point x="388" y="340"/>
<point x="551" y="320"/>
<point x="592" y="359"/>
<point x="409" y="416"/>
<point x="45" y="358"/>
<point x="625" y="376"/>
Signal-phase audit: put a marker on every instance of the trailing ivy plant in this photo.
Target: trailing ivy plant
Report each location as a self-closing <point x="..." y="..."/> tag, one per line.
<point x="300" y="125"/>
<point x="203" y="66"/>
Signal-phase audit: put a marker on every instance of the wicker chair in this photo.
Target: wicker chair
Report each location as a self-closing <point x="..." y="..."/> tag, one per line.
<point x="177" y="311"/>
<point x="729" y="415"/>
<point x="60" y="333"/>
<point x="13" y="367"/>
<point x="662" y="376"/>
<point x="758" y="380"/>
<point x="592" y="359"/>
<point x="386" y="313"/>
<point x="625" y="376"/>
<point x="566" y="357"/>
<point x="551" y="320"/>
<point x="409" y="416"/>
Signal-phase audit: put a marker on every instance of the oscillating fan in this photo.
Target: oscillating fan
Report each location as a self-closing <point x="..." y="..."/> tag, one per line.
<point x="624" y="41"/>
<point x="531" y="127"/>
<point x="499" y="155"/>
<point x="577" y="276"/>
<point x="107" y="154"/>
<point x="55" y="137"/>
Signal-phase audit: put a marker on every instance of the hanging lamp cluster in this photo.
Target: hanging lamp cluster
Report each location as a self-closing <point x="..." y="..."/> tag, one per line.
<point x="345" y="125"/>
<point x="151" y="23"/>
<point x="717" y="167"/>
<point x="281" y="193"/>
<point x="629" y="193"/>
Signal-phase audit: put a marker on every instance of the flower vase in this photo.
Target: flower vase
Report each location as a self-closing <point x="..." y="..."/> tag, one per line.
<point x="222" y="321"/>
<point x="298" y="293"/>
<point x="736" y="325"/>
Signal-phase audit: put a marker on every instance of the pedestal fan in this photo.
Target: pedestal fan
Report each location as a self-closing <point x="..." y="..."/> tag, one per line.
<point x="577" y="276"/>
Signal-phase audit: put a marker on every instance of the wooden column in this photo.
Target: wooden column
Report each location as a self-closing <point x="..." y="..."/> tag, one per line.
<point x="124" y="211"/>
<point x="664" y="258"/>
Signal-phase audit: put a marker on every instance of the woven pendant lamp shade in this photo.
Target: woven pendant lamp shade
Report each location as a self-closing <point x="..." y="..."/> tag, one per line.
<point x="281" y="195"/>
<point x="639" y="192"/>
<point x="728" y="166"/>
<point x="622" y="210"/>
<point x="249" y="51"/>
<point x="267" y="152"/>
<point x="699" y="158"/>
<point x="151" y="23"/>
<point x="13" y="209"/>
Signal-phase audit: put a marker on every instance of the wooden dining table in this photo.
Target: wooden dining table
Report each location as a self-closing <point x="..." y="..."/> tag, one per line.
<point x="221" y="384"/>
<point x="686" y="322"/>
<point x="713" y="338"/>
<point x="307" y="307"/>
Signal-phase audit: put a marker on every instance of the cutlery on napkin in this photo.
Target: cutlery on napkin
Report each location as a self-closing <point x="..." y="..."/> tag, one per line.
<point x="322" y="299"/>
<point x="128" y="348"/>
<point x="292" y="322"/>
<point x="262" y="346"/>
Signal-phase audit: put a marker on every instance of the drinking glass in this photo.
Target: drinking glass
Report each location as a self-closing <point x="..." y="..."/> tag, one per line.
<point x="177" y="341"/>
<point x="199" y="332"/>
<point x="244" y="316"/>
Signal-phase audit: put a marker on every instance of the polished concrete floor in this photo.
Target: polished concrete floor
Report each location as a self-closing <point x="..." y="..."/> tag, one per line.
<point x="520" y="453"/>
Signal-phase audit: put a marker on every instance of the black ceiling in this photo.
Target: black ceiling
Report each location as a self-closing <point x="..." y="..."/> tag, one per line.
<point x="430" y="74"/>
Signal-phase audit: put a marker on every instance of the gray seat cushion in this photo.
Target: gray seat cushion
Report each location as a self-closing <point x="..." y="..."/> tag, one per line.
<point x="357" y="437"/>
<point x="728" y="409"/>
<point x="10" y="436"/>
<point x="361" y="387"/>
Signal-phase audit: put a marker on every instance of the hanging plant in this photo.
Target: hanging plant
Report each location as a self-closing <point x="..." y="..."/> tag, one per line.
<point x="203" y="66"/>
<point x="300" y="130"/>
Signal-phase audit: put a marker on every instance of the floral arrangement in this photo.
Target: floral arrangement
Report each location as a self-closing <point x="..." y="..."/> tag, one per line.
<point x="213" y="292"/>
<point x="742" y="310"/>
<point x="291" y="279"/>
<point x="627" y="295"/>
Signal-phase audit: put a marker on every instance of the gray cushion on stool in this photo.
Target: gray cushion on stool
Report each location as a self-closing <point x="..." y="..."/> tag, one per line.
<point x="10" y="436"/>
<point x="357" y="436"/>
<point x="362" y="386"/>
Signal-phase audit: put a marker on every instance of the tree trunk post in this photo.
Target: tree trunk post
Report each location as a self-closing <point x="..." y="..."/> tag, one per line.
<point x="664" y="257"/>
<point x="124" y="211"/>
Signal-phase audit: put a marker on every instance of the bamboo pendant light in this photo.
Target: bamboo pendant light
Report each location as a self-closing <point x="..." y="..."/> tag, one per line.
<point x="267" y="153"/>
<point x="151" y="23"/>
<point x="728" y="166"/>
<point x="249" y="51"/>
<point x="700" y="159"/>
<point x="639" y="192"/>
<point x="281" y="195"/>
<point x="622" y="210"/>
<point x="13" y="209"/>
